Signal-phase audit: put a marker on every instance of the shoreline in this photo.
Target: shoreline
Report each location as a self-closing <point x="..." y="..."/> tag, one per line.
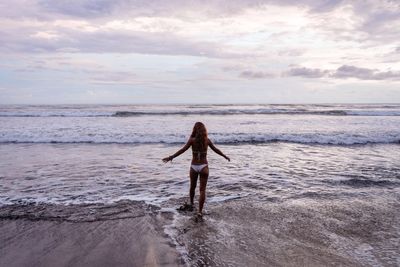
<point x="240" y="232"/>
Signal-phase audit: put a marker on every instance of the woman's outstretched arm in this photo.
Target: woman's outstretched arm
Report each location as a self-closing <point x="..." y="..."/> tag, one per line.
<point x="180" y="151"/>
<point x="216" y="150"/>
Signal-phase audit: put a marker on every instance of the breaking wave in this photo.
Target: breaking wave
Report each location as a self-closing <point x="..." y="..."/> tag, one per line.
<point x="209" y="112"/>
<point x="234" y="138"/>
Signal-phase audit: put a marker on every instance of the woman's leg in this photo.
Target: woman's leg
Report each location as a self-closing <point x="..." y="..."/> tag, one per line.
<point x="193" y="182"/>
<point x="203" y="185"/>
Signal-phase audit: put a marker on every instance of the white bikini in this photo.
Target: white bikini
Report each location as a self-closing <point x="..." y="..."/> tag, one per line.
<point x="198" y="167"/>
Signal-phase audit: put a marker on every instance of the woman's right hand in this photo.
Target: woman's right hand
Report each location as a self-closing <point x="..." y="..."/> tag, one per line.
<point x="227" y="158"/>
<point x="165" y="160"/>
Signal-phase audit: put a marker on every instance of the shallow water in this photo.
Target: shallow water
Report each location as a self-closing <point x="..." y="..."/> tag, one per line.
<point x="302" y="232"/>
<point x="80" y="173"/>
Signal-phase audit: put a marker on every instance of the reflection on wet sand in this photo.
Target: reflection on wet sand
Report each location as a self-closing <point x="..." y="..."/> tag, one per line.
<point x="295" y="233"/>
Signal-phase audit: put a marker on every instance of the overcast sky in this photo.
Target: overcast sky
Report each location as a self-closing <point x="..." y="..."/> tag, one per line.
<point x="232" y="51"/>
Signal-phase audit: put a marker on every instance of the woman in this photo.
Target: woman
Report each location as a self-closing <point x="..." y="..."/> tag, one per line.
<point x="199" y="142"/>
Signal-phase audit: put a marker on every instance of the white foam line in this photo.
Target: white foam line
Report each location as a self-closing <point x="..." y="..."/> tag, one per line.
<point x="224" y="198"/>
<point x="172" y="232"/>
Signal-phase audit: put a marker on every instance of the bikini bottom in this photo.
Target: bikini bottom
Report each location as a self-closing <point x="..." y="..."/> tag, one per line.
<point x="198" y="168"/>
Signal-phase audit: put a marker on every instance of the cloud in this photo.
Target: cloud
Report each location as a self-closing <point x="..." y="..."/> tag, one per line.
<point x="95" y="9"/>
<point x="111" y="41"/>
<point x="306" y="72"/>
<point x="344" y="72"/>
<point x="205" y="28"/>
<point x="285" y="32"/>
<point x="256" y="74"/>
<point x="379" y="17"/>
<point x="80" y="8"/>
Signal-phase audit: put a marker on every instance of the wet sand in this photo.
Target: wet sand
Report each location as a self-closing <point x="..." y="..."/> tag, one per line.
<point x="84" y="235"/>
<point x="297" y="232"/>
<point x="302" y="232"/>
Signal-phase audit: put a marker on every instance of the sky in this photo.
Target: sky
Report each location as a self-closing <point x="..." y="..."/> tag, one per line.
<point x="210" y="51"/>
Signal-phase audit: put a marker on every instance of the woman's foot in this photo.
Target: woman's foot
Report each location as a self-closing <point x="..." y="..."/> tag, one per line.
<point x="199" y="217"/>
<point x="186" y="207"/>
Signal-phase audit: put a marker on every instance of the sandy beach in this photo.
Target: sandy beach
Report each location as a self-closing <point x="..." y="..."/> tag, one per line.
<point x="84" y="235"/>
<point x="233" y="233"/>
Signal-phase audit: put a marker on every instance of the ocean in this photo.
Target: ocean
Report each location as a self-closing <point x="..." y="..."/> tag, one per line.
<point x="318" y="170"/>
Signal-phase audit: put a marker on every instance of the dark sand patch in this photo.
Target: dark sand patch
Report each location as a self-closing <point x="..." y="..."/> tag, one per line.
<point x="123" y="234"/>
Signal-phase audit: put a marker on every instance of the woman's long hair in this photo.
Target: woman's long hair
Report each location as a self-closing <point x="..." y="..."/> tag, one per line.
<point x="200" y="134"/>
